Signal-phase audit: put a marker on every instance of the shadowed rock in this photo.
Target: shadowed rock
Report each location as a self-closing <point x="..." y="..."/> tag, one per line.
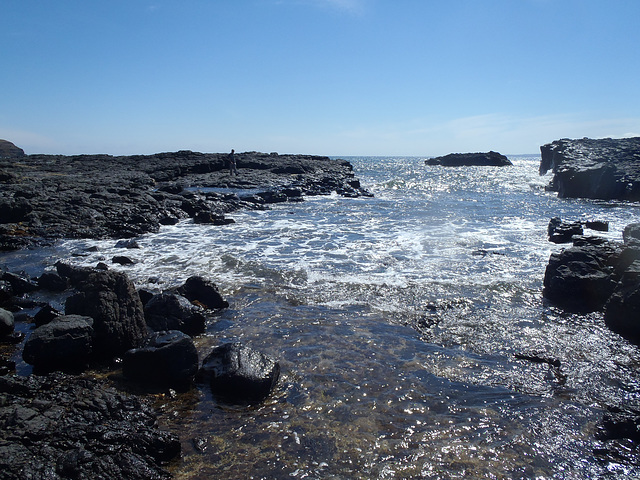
<point x="168" y="359"/>
<point x="65" y="343"/>
<point x="111" y="299"/>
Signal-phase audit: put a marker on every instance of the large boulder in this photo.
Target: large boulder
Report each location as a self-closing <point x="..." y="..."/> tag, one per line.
<point x="168" y="311"/>
<point x="581" y="278"/>
<point x="167" y="359"/>
<point x="238" y="374"/>
<point x="203" y="291"/>
<point x="66" y="343"/>
<point x="111" y="299"/>
<point x="605" y="168"/>
<point x="488" y="159"/>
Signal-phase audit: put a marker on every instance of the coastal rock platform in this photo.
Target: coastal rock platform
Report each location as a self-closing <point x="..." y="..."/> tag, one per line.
<point x="607" y="168"/>
<point x="45" y="197"/>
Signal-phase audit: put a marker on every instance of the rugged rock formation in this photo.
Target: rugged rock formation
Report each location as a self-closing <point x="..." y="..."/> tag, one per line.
<point x="59" y="426"/>
<point x="111" y="299"/>
<point x="598" y="275"/>
<point x="65" y="343"/>
<point x="101" y="196"/>
<point x="489" y="159"/>
<point x="605" y="169"/>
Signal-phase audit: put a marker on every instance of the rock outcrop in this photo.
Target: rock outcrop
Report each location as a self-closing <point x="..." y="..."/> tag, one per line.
<point x="166" y="359"/>
<point x="45" y="197"/>
<point x="607" y="169"/>
<point x="488" y="159"/>
<point x="598" y="275"/>
<point x="9" y="150"/>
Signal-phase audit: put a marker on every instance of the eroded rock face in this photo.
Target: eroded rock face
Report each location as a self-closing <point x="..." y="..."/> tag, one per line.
<point x="604" y="169"/>
<point x="488" y="159"/>
<point x="238" y="374"/>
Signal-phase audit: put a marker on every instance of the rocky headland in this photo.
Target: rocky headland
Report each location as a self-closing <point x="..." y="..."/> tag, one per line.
<point x="487" y="159"/>
<point x="607" y="169"/>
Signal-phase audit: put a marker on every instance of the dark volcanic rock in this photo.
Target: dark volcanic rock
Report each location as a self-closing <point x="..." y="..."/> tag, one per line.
<point x="9" y="150"/>
<point x="563" y="232"/>
<point x="580" y="279"/>
<point x="65" y="343"/>
<point x="605" y="169"/>
<point x="100" y="196"/>
<point x="112" y="301"/>
<point x="168" y="311"/>
<point x="60" y="426"/>
<point x="203" y="291"/>
<point x="488" y="159"/>
<point x="238" y="374"/>
<point x="167" y="359"/>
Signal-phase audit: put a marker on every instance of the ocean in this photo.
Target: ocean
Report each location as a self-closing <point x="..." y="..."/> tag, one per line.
<point x="410" y="328"/>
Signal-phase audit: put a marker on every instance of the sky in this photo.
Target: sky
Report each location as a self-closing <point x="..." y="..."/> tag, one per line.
<point x="326" y="77"/>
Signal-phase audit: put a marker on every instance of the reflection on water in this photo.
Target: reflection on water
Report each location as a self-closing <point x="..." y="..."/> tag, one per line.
<point x="362" y="398"/>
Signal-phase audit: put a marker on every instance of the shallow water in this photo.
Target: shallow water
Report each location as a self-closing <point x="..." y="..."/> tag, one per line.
<point x="405" y="326"/>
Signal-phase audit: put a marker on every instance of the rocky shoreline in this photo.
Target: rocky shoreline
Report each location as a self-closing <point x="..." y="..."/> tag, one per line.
<point x="147" y="339"/>
<point x="71" y="425"/>
<point x="45" y="197"/>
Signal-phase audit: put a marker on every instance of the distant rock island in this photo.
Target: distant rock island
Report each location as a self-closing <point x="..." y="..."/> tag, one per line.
<point x="488" y="159"/>
<point x="607" y="169"/>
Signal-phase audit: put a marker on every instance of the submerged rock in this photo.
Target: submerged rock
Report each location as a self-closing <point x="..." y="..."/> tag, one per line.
<point x="488" y="159"/>
<point x="238" y="374"/>
<point x="606" y="169"/>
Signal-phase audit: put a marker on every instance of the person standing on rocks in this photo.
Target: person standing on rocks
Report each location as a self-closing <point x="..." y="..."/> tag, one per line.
<point x="233" y="169"/>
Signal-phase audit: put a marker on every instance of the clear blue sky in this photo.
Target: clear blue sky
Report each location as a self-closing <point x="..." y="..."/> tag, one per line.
<point x="333" y="77"/>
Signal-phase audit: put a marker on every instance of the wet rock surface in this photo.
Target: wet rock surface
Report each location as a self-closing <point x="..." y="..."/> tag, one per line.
<point x="44" y="197"/>
<point x="60" y="426"/>
<point x="488" y="159"/>
<point x="605" y="169"/>
<point x="237" y="374"/>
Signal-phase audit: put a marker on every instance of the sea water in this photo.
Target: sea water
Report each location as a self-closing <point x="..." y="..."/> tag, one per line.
<point x="410" y="327"/>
